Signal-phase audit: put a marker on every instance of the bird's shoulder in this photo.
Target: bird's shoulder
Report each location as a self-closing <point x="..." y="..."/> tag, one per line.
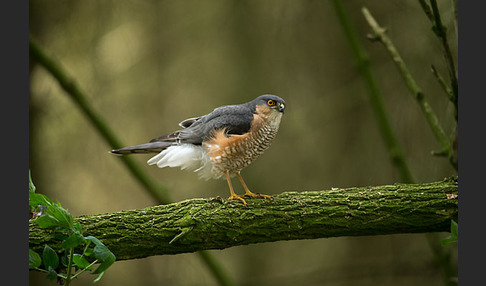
<point x="234" y="119"/>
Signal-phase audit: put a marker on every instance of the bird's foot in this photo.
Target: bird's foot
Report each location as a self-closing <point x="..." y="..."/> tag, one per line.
<point x="238" y="197"/>
<point x="248" y="194"/>
<point x="257" y="195"/>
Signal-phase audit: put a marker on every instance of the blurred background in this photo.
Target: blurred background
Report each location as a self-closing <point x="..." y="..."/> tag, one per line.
<point x="147" y="65"/>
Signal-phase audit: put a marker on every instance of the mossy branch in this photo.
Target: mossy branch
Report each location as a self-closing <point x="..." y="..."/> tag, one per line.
<point x="199" y="224"/>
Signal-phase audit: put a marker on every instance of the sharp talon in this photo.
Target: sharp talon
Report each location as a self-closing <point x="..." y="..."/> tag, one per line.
<point x="265" y="196"/>
<point x="250" y="194"/>
<point x="238" y="198"/>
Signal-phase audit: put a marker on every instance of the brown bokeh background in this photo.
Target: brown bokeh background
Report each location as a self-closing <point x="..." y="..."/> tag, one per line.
<point x="147" y="65"/>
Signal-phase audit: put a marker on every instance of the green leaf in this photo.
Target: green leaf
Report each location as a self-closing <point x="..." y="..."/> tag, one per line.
<point x="59" y="236"/>
<point x="51" y="273"/>
<point x="101" y="252"/>
<point x="31" y="185"/>
<point x="94" y="240"/>
<point x="99" y="277"/>
<point x="62" y="215"/>
<point x="88" y="251"/>
<point x="46" y="221"/>
<point x="448" y="240"/>
<point x="34" y="259"/>
<point x="109" y="260"/>
<point x="38" y="199"/>
<point x="454" y="228"/>
<point x="49" y="257"/>
<point x="81" y="262"/>
<point x="454" y="235"/>
<point x="55" y="216"/>
<point x="77" y="226"/>
<point x="65" y="260"/>
<point x="73" y="240"/>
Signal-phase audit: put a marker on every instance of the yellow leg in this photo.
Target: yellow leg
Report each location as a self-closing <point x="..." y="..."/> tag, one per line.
<point x="233" y="195"/>
<point x="248" y="192"/>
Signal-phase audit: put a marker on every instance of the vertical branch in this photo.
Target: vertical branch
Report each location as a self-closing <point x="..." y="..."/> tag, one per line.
<point x="158" y="192"/>
<point x="441" y="31"/>
<point x="443" y="84"/>
<point x="376" y="100"/>
<point x="432" y="13"/>
<point x="426" y="9"/>
<point x="380" y="35"/>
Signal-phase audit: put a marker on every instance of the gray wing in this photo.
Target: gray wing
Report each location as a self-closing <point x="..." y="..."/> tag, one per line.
<point x="236" y="119"/>
<point x="188" y="122"/>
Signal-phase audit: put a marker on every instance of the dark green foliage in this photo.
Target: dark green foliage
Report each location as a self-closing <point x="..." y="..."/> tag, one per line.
<point x="34" y="259"/>
<point x="49" y="257"/>
<point x="454" y="235"/>
<point x="81" y="262"/>
<point x="101" y="253"/>
<point x="75" y="239"/>
<point x="47" y="214"/>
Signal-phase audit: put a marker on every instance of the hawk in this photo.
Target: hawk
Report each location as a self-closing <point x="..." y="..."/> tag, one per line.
<point x="219" y="144"/>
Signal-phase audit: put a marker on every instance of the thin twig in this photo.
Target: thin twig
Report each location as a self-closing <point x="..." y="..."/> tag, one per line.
<point x="441" y="32"/>
<point x="442" y="82"/>
<point x="84" y="269"/>
<point x="158" y="192"/>
<point x="426" y="9"/>
<point x="69" y="267"/>
<point x="456" y="14"/>
<point x="376" y="100"/>
<point x="380" y="35"/>
<point x="432" y="13"/>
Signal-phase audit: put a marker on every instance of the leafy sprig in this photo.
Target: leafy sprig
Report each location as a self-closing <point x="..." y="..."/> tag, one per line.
<point x="453" y="238"/>
<point x="48" y="214"/>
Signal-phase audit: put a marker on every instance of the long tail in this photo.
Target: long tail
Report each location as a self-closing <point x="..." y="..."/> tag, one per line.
<point x="153" y="147"/>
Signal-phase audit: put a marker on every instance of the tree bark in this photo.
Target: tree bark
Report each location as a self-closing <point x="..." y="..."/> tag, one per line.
<point x="214" y="223"/>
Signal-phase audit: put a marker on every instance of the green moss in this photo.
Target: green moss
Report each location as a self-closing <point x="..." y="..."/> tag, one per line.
<point x="199" y="224"/>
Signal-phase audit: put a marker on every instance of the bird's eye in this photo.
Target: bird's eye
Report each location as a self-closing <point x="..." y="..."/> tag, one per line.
<point x="270" y="102"/>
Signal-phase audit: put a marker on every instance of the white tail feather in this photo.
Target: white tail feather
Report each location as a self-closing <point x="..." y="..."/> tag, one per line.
<point x="185" y="156"/>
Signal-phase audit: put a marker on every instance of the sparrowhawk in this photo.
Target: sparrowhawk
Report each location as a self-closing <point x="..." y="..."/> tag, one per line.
<point x="220" y="143"/>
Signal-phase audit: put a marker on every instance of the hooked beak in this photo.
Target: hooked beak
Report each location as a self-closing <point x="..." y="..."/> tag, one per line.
<point x="281" y="107"/>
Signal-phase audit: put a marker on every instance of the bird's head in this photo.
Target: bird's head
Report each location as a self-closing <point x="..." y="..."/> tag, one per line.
<point x="270" y="108"/>
<point x="271" y="101"/>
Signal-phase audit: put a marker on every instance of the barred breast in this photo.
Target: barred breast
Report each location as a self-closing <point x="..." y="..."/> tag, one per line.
<point x="232" y="153"/>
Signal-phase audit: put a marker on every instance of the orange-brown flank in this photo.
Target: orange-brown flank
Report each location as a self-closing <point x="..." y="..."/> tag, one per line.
<point x="231" y="152"/>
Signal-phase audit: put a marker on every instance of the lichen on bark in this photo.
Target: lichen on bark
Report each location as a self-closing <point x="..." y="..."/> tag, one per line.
<point x="213" y="223"/>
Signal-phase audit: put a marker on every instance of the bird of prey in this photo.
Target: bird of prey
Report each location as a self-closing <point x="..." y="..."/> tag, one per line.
<point x="219" y="144"/>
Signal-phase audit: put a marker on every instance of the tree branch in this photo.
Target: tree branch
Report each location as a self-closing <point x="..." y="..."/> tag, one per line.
<point x="376" y="99"/>
<point x="214" y="223"/>
<point x="379" y="34"/>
